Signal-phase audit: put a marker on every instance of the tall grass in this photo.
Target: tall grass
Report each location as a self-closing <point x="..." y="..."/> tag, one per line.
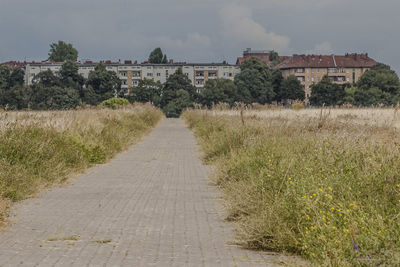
<point x="325" y="188"/>
<point x="38" y="149"/>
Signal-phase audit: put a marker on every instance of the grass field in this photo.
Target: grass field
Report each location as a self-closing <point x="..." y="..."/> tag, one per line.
<point x="39" y="149"/>
<point x="321" y="183"/>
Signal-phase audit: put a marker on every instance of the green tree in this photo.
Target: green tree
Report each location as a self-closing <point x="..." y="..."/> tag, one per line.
<point x="291" y="88"/>
<point x="156" y="56"/>
<point x="326" y="93"/>
<point x="164" y="60"/>
<point x="61" y="51"/>
<point x="176" y="82"/>
<point x="147" y="91"/>
<point x="349" y="94"/>
<point x="105" y="85"/>
<point x="182" y="101"/>
<point x="274" y="58"/>
<point x="69" y="75"/>
<point x="54" y="98"/>
<point x="5" y="72"/>
<point x="277" y="79"/>
<point x="218" y="91"/>
<point x="254" y="82"/>
<point x="46" y="79"/>
<point x="379" y="85"/>
<point x="15" y="98"/>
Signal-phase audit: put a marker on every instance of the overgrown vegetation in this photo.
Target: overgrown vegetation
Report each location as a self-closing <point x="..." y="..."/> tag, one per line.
<point x="327" y="188"/>
<point x="39" y="149"/>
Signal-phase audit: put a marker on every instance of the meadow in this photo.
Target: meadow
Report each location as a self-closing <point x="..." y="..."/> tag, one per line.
<point x="39" y="149"/>
<point x="320" y="183"/>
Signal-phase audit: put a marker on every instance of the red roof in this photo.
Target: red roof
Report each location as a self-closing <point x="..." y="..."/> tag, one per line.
<point x="331" y="61"/>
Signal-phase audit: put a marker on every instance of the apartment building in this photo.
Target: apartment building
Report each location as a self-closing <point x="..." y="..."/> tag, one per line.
<point x="130" y="74"/>
<point x="310" y="69"/>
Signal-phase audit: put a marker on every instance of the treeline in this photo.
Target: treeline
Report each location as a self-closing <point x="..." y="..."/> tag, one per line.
<point x="67" y="90"/>
<point x="256" y="83"/>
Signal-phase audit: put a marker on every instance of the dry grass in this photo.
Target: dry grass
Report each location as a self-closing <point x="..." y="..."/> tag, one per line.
<point x="324" y="184"/>
<point x="39" y="149"/>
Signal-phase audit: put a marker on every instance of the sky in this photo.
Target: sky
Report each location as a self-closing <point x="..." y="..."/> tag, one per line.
<point x="200" y="31"/>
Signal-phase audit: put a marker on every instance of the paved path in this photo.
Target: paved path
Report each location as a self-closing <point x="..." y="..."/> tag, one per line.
<point x="150" y="206"/>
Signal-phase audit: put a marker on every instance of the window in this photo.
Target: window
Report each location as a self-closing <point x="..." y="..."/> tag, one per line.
<point x="158" y="74"/>
<point x="308" y="70"/>
<point x="348" y="79"/>
<point x="312" y="70"/>
<point x="359" y="70"/>
<point x="300" y="79"/>
<point x="319" y="79"/>
<point x="199" y="82"/>
<point x="332" y="70"/>
<point x="123" y="82"/>
<point x="312" y="79"/>
<point x="149" y="74"/>
<point x="230" y="74"/>
<point x="135" y="82"/>
<point x="187" y="74"/>
<point x="308" y="79"/>
<point x="317" y="70"/>
<point x="123" y="73"/>
<point x="347" y="71"/>
<point x="300" y="70"/>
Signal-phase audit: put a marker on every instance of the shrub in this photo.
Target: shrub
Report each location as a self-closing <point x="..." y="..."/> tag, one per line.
<point x="114" y="102"/>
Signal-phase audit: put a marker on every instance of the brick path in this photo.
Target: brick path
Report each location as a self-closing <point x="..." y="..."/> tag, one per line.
<point x="150" y="206"/>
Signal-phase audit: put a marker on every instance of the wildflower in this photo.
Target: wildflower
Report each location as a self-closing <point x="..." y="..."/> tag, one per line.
<point x="314" y="195"/>
<point x="290" y="179"/>
<point x="330" y="188"/>
<point x="321" y="190"/>
<point x="333" y="227"/>
<point x="347" y="211"/>
<point x="304" y="196"/>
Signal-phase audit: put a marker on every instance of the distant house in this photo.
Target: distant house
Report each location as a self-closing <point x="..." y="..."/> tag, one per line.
<point x="310" y="69"/>
<point x="260" y="54"/>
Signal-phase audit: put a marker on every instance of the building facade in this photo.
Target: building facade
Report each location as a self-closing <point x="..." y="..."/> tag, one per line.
<point x="310" y="69"/>
<point x="130" y="74"/>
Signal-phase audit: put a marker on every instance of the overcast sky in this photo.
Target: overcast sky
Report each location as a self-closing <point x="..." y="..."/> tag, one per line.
<point x="200" y="30"/>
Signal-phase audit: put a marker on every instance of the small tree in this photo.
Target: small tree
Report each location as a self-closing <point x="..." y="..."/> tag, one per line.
<point x="70" y="77"/>
<point x="326" y="93"/>
<point x="218" y="90"/>
<point x="147" y="91"/>
<point x="105" y="84"/>
<point x="173" y="93"/>
<point x="291" y="89"/>
<point x="61" y="51"/>
<point x="156" y="56"/>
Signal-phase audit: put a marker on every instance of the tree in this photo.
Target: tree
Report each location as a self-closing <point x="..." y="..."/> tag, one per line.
<point x="70" y="77"/>
<point x="379" y="85"/>
<point x="326" y="93"/>
<point x="5" y="72"/>
<point x="156" y="56"/>
<point x="182" y="101"/>
<point x="54" y="98"/>
<point x="147" y="91"/>
<point x="218" y="91"/>
<point x="14" y="98"/>
<point x="254" y="82"/>
<point x="175" y="82"/>
<point x="46" y="79"/>
<point x="274" y="58"/>
<point x="164" y="60"/>
<point x="61" y="51"/>
<point x="105" y="84"/>
<point x="291" y="88"/>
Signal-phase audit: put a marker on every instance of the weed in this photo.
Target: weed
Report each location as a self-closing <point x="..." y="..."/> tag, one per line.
<point x="318" y="186"/>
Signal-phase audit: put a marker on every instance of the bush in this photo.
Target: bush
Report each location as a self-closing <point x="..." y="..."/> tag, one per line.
<point x="114" y="102"/>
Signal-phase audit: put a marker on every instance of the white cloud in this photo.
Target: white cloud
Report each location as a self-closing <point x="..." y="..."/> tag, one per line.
<point x="239" y="25"/>
<point x="324" y="48"/>
<point x="192" y="40"/>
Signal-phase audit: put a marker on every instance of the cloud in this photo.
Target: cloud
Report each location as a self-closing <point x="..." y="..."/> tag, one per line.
<point x="192" y="40"/>
<point x="324" y="48"/>
<point x="239" y="25"/>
